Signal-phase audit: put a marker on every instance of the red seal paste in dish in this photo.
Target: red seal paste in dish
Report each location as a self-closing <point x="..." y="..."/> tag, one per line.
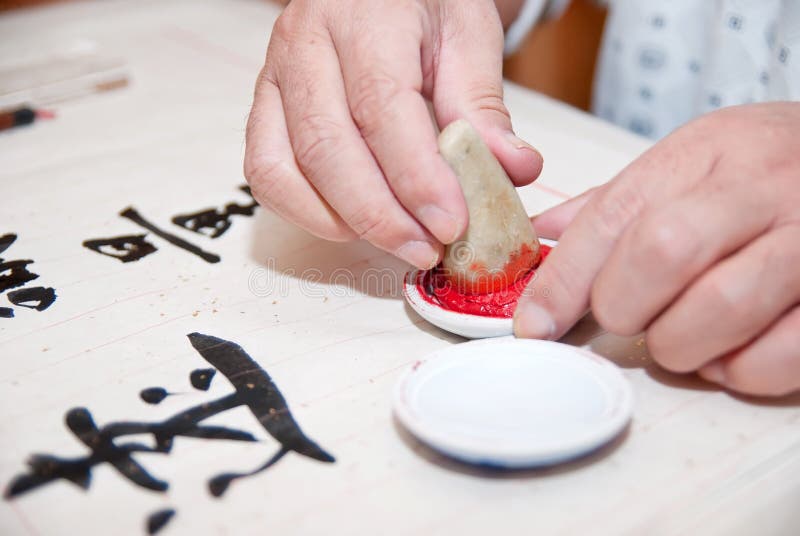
<point x="436" y="289"/>
<point x="485" y="281"/>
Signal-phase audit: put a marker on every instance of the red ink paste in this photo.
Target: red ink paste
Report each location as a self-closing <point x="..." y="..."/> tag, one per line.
<point x="438" y="290"/>
<point x="487" y="282"/>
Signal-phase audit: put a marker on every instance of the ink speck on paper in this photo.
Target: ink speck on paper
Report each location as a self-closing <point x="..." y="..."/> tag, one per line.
<point x="158" y="520"/>
<point x="201" y="378"/>
<point x="153" y="395"/>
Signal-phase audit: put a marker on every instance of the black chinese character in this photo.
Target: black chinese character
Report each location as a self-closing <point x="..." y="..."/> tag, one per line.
<point x="128" y="248"/>
<point x="15" y="274"/>
<point x="42" y="297"/>
<point x="212" y="222"/>
<point x="254" y="389"/>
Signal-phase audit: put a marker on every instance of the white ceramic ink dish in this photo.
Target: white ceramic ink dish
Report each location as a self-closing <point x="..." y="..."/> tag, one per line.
<point x="514" y="403"/>
<point x="464" y="324"/>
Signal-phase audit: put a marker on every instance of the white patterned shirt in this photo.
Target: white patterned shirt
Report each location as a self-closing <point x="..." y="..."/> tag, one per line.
<point x="664" y="62"/>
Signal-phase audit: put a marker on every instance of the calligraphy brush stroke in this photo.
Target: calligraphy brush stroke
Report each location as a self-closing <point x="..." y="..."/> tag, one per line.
<point x="157" y="520"/>
<point x="45" y="468"/>
<point x="43" y="297"/>
<point x="153" y="395"/>
<point x="201" y="378"/>
<point x="219" y="484"/>
<point x="256" y="389"/>
<point x="80" y="422"/>
<point x="6" y="240"/>
<point x="133" y="215"/>
<point x="18" y="274"/>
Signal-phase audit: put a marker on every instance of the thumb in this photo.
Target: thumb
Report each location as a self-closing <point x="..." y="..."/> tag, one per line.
<point x="468" y="84"/>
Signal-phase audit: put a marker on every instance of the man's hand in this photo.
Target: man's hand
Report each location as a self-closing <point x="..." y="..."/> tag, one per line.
<point x="697" y="242"/>
<point x="340" y="139"/>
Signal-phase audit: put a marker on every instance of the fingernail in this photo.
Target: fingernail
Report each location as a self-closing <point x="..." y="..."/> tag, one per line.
<point x="713" y="372"/>
<point x="418" y="253"/>
<point x="518" y="143"/>
<point x="440" y="222"/>
<point x="531" y="321"/>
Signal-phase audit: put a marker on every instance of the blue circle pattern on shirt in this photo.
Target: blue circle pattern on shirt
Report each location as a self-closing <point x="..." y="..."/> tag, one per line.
<point x="662" y="65"/>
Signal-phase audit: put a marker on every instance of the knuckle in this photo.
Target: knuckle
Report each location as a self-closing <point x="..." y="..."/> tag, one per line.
<point x="782" y="256"/>
<point x="297" y="28"/>
<point x="368" y="223"/>
<point x="664" y="241"/>
<point x="283" y="32"/>
<point x="704" y="129"/>
<point x="266" y="82"/>
<point x="460" y="20"/>
<point x="317" y="139"/>
<point x="288" y="22"/>
<point x="604" y="315"/>
<point x="410" y="182"/>
<point x="371" y="97"/>
<point x="612" y="211"/>
<point x="339" y="233"/>
<point x="702" y="126"/>
<point x="606" y="310"/>
<point x="782" y="160"/>
<point x="269" y="178"/>
<point x="719" y="294"/>
<point x="487" y="98"/>
<point x="659" y="343"/>
<point x="664" y="339"/>
<point x="333" y="229"/>
<point x="266" y="176"/>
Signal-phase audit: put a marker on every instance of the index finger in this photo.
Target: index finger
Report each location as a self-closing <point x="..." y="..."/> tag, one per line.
<point x="384" y="83"/>
<point x="558" y="296"/>
<point x="554" y="221"/>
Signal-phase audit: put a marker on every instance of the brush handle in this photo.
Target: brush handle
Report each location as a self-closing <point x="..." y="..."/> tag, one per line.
<point x="18" y="117"/>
